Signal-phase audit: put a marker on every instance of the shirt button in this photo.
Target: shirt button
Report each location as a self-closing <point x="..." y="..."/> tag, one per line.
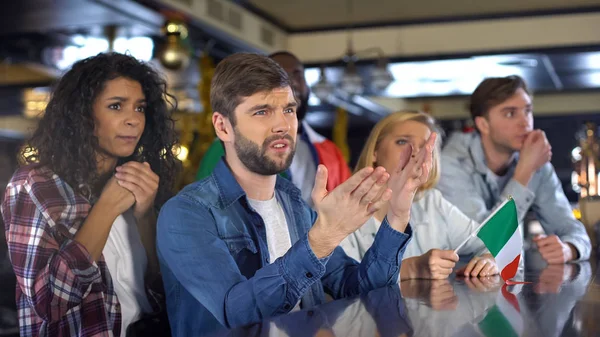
<point x="309" y="275"/>
<point x="287" y="306"/>
<point x="310" y="313"/>
<point x="266" y="260"/>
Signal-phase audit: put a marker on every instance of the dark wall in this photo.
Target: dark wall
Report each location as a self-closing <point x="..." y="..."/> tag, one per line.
<point x="8" y="164"/>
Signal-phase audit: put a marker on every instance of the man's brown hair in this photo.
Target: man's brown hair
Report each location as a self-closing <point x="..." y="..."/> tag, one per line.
<point x="242" y="75"/>
<point x="493" y="91"/>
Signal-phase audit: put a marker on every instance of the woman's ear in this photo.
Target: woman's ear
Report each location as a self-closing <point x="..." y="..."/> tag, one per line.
<point x="374" y="159"/>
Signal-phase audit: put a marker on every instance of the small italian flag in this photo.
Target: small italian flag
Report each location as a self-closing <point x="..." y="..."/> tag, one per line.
<point x="503" y="319"/>
<point x="502" y="236"/>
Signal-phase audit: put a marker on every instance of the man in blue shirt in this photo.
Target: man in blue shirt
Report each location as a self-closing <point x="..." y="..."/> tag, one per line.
<point x="241" y="245"/>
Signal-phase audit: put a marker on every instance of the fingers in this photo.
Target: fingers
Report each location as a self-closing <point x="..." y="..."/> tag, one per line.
<point x="555" y="257"/>
<point x="438" y="271"/>
<point x="551" y="249"/>
<point x="543" y="136"/>
<point x="131" y="187"/>
<point x="441" y="263"/>
<point x="442" y="296"/>
<point x="414" y="166"/>
<point x="367" y="184"/>
<point x="476" y="284"/>
<point x="143" y="183"/>
<point x="405" y="156"/>
<point x="380" y="202"/>
<point x="437" y="285"/>
<point x="466" y="270"/>
<point x="546" y="241"/>
<point x="139" y="168"/>
<point x="375" y="190"/>
<point x="479" y="267"/>
<point x="355" y="180"/>
<point x="447" y="255"/>
<point x="425" y="169"/>
<point x="320" y="188"/>
<point x="490" y="283"/>
<point x="490" y="269"/>
<point x="419" y="166"/>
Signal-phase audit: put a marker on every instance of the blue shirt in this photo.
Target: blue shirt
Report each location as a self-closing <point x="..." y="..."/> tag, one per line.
<point x="214" y="258"/>
<point x="468" y="183"/>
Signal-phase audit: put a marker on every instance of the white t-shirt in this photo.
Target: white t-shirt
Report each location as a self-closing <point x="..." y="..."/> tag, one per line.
<point x="278" y="233"/>
<point x="126" y="259"/>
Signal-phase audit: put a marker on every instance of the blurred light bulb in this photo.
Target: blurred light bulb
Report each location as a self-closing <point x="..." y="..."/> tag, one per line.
<point x="323" y="88"/>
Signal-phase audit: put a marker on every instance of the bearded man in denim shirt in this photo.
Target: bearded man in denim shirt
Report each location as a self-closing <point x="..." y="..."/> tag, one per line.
<point x="241" y="245"/>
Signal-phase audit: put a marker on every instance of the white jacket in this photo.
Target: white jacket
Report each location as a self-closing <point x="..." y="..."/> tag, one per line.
<point x="435" y="223"/>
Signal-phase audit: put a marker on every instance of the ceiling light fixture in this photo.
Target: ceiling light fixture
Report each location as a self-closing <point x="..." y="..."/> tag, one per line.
<point x="174" y="55"/>
<point x="352" y="81"/>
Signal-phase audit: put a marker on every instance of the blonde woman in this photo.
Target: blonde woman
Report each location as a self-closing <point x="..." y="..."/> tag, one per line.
<point x="438" y="226"/>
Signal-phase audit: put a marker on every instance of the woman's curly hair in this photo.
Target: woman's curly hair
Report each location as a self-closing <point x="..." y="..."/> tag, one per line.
<point x="64" y="140"/>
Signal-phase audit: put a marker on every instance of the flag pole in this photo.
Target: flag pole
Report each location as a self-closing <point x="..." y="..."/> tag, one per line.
<point x="472" y="235"/>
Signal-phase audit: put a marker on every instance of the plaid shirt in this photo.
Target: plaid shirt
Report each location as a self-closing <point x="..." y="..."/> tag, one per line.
<point x="60" y="290"/>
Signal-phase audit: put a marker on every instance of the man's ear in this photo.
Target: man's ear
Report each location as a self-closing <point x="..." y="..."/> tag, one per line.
<point x="223" y="127"/>
<point x="482" y="124"/>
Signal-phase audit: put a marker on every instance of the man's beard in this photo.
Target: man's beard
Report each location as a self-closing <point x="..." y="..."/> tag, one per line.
<point x="256" y="159"/>
<point x="501" y="145"/>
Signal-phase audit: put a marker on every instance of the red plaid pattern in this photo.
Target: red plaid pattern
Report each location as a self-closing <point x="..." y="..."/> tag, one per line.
<point x="61" y="291"/>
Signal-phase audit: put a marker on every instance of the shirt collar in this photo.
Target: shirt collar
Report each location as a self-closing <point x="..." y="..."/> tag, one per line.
<point x="230" y="190"/>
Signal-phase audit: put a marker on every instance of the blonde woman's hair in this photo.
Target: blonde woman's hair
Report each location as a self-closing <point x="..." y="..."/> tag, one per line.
<point x="385" y="126"/>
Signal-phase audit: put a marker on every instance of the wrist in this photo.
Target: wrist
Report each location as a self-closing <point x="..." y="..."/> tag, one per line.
<point x="321" y="242"/>
<point x="144" y="216"/>
<point x="106" y="207"/>
<point x="574" y="252"/>
<point x="412" y="267"/>
<point x="398" y="221"/>
<point x="522" y="175"/>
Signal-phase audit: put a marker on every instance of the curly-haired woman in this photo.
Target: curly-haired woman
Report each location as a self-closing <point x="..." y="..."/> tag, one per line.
<point x="80" y="213"/>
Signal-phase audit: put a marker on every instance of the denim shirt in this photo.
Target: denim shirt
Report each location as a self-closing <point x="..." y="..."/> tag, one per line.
<point x="468" y="183"/>
<point x="214" y="258"/>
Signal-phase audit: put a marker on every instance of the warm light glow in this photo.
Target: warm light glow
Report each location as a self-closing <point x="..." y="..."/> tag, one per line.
<point x="593" y="189"/>
<point x="28" y="152"/>
<point x="35" y="101"/>
<point x="577" y="213"/>
<point x="575" y="182"/>
<point x="172" y="28"/>
<point x="576" y="153"/>
<point x="41" y="106"/>
<point x="182" y="153"/>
